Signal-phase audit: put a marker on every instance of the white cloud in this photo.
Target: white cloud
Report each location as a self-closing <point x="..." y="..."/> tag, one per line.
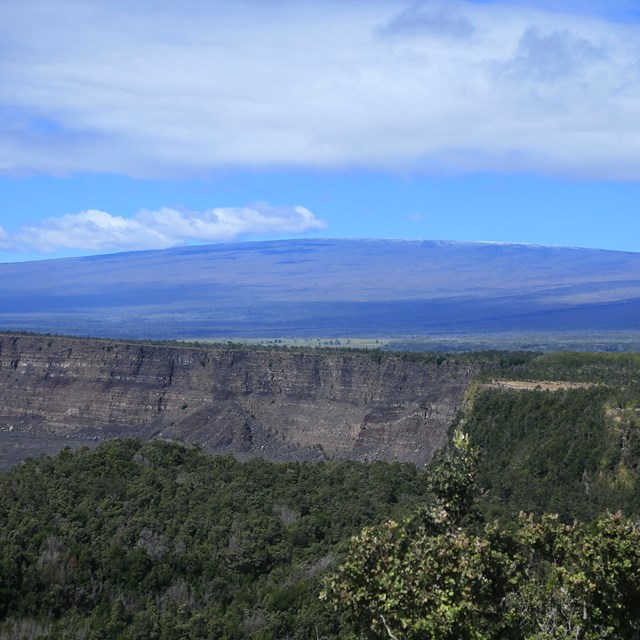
<point x="94" y="230"/>
<point x="172" y="89"/>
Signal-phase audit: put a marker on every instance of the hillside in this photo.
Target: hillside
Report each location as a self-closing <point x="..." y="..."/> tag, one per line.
<point x="325" y="288"/>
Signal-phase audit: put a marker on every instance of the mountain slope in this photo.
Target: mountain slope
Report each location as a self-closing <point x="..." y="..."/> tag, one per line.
<point x="324" y="287"/>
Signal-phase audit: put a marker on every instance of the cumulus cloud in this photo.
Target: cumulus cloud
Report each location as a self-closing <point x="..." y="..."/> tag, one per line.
<point x="94" y="230"/>
<point x="163" y="89"/>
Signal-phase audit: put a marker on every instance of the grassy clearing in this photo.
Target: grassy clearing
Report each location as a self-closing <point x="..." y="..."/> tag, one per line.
<point x="596" y="341"/>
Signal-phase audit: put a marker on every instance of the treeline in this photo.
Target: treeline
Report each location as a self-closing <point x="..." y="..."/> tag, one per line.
<point x="616" y="369"/>
<point x="491" y="358"/>
<point x="160" y="541"/>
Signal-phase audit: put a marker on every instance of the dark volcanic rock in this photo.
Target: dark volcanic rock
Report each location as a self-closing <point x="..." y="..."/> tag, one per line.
<point x="277" y="404"/>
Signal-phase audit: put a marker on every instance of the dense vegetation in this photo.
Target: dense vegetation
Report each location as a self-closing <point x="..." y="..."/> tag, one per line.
<point x="445" y="573"/>
<point x="160" y="541"/>
<point x="614" y="369"/>
<point x="574" y="451"/>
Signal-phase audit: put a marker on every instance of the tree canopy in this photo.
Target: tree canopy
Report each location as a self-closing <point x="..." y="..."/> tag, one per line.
<point x="444" y="574"/>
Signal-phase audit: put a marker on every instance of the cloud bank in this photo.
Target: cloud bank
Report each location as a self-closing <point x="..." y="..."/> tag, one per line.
<point x="159" y="88"/>
<point x="96" y="231"/>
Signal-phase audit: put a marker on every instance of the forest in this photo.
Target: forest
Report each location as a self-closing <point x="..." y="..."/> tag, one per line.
<point x="524" y="527"/>
<point x="574" y="451"/>
<point x="160" y="540"/>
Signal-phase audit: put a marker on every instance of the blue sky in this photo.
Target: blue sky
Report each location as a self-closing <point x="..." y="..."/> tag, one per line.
<point x="153" y="124"/>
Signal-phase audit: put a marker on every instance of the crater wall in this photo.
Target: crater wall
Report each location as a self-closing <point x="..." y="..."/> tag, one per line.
<point x="271" y="403"/>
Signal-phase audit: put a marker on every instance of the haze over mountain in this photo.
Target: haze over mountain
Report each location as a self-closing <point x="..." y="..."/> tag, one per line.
<point x="325" y="288"/>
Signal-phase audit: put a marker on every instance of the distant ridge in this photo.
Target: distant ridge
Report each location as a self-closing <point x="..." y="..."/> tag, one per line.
<point x="322" y="287"/>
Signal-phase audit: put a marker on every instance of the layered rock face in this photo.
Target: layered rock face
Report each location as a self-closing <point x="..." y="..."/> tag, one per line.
<point x="276" y="404"/>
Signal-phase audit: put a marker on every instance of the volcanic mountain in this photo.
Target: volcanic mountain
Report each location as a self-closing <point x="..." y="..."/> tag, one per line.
<point x="323" y="288"/>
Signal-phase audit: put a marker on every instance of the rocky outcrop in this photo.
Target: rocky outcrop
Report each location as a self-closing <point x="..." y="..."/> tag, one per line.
<point x="277" y="404"/>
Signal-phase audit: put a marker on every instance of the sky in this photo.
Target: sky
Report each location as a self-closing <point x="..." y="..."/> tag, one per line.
<point x="146" y="125"/>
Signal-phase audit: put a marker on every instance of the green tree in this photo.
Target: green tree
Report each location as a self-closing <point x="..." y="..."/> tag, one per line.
<point x="440" y="575"/>
<point x="425" y="577"/>
<point x="577" y="580"/>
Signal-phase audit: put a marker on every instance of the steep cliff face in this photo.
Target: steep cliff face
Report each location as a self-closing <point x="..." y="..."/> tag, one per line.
<point x="277" y="404"/>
